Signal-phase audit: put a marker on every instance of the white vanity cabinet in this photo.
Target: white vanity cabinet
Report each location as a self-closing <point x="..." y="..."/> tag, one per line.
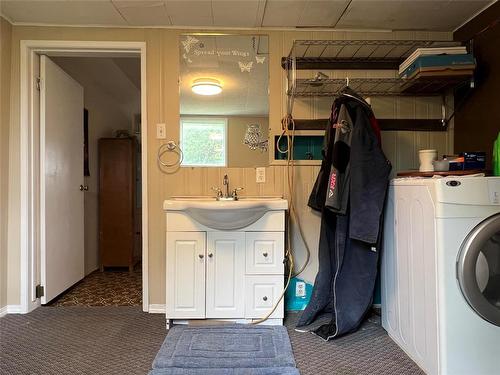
<point x="186" y="274"/>
<point x="225" y="266"/>
<point x="224" y="274"/>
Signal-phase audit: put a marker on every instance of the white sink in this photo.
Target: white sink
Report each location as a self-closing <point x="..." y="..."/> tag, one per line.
<point x="225" y="215"/>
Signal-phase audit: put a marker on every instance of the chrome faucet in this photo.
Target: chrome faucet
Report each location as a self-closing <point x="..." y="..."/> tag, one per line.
<point x="225" y="182"/>
<point x="226" y="197"/>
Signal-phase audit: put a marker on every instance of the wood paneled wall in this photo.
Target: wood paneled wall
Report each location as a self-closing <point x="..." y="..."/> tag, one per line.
<point x="163" y="107"/>
<point x="478" y="120"/>
<point x="401" y="147"/>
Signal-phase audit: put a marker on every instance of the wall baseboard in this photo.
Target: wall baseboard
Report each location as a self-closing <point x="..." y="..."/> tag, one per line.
<point x="11" y="309"/>
<point x="160" y="308"/>
<point x="157" y="309"/>
<point x="15" y="309"/>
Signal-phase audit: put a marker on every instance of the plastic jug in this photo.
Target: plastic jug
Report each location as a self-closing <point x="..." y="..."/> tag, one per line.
<point x="496" y="156"/>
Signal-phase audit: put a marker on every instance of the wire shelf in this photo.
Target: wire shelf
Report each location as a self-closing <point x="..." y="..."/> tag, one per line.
<point x="331" y="87"/>
<point x="365" y="55"/>
<point x="364" y="50"/>
<point x="376" y="86"/>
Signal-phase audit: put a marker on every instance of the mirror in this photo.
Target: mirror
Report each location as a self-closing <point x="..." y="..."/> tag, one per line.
<point x="224" y="100"/>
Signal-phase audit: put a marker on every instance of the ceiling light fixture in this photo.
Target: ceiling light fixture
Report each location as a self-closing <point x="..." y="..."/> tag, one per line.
<point x="206" y="86"/>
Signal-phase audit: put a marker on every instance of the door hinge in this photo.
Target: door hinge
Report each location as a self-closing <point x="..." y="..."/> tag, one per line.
<point x="38" y="83"/>
<point x="39" y="291"/>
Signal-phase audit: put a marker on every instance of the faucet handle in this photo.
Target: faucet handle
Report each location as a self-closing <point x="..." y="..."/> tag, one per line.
<point x="235" y="192"/>
<point x="217" y="190"/>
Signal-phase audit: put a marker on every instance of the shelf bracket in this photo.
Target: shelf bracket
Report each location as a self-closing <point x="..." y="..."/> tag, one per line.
<point x="291" y="68"/>
<point x="444" y="121"/>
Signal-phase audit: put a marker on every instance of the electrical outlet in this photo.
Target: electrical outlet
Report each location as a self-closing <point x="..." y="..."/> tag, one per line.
<point x="260" y="175"/>
<point x="161" y="131"/>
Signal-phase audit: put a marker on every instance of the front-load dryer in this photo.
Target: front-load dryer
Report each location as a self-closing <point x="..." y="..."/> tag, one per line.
<point x="441" y="273"/>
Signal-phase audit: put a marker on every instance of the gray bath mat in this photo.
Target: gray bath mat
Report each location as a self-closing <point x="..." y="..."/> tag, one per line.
<point x="225" y="350"/>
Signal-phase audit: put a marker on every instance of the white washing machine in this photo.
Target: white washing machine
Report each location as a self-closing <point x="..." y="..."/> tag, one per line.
<point x="441" y="273"/>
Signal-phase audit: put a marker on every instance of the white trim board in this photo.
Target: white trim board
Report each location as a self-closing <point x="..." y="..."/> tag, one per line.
<point x="28" y="160"/>
<point x="157" y="308"/>
<point x="11" y="309"/>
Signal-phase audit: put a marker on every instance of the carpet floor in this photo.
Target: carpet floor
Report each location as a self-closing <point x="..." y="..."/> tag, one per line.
<point x="124" y="340"/>
<point x="113" y="287"/>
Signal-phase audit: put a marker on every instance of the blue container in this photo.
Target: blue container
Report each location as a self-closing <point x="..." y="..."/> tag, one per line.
<point x="474" y="160"/>
<point x="297" y="295"/>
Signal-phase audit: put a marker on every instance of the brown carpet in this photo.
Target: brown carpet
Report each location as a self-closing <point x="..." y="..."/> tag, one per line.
<point x="369" y="351"/>
<point x="113" y="287"/>
<point x="124" y="340"/>
<point x="80" y="340"/>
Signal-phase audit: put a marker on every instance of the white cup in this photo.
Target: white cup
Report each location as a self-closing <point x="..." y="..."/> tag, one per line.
<point x="426" y="157"/>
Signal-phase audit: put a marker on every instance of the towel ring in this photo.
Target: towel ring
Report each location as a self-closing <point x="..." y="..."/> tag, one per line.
<point x="170" y="146"/>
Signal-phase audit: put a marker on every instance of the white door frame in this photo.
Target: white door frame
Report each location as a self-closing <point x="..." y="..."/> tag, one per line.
<point x="30" y="158"/>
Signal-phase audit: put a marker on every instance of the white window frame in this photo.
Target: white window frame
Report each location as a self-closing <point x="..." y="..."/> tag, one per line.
<point x="205" y="121"/>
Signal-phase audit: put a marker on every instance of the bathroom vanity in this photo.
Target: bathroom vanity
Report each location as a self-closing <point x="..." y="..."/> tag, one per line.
<point x="224" y="258"/>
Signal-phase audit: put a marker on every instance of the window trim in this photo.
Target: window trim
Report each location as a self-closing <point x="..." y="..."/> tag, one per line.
<point x="206" y="121"/>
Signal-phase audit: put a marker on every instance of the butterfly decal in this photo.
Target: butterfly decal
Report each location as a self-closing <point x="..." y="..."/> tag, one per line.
<point x="185" y="57"/>
<point x="260" y="59"/>
<point x="189" y="43"/>
<point x="245" y="67"/>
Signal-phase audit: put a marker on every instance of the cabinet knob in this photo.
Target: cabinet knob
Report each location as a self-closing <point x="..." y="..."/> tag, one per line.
<point x="264" y="298"/>
<point x="201" y="256"/>
<point x="265" y="255"/>
<point x="210" y="255"/>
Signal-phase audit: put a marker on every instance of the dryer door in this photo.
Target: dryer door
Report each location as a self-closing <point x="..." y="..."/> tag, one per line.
<point x="478" y="269"/>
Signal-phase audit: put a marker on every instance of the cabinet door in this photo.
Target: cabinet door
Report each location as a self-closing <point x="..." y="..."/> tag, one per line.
<point x="261" y="294"/>
<point x="265" y="252"/>
<point x="186" y="275"/>
<point x="226" y="275"/>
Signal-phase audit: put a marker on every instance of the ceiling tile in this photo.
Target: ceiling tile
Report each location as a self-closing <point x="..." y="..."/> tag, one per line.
<point x="409" y="15"/>
<point x="240" y="13"/>
<point x="322" y="13"/>
<point x="190" y="13"/>
<point x="283" y="13"/>
<point x="436" y="15"/>
<point x="143" y="13"/>
<point x="63" y="12"/>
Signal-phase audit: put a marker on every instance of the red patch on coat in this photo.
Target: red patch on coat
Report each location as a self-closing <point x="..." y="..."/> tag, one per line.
<point x="333" y="181"/>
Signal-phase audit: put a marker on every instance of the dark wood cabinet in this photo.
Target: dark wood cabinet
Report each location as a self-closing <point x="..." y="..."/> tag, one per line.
<point x="119" y="214"/>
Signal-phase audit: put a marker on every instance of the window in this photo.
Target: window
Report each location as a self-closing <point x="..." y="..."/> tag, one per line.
<point x="203" y="141"/>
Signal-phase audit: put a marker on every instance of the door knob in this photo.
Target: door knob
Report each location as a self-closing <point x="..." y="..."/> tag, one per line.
<point x="265" y="255"/>
<point x="264" y="298"/>
<point x="83" y="187"/>
<point x="210" y="255"/>
<point x="201" y="256"/>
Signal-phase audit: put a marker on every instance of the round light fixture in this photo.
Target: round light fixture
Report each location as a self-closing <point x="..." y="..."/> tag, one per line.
<point x="206" y="86"/>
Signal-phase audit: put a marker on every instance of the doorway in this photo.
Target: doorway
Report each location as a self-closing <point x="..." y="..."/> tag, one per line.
<point x="127" y="59"/>
<point x="105" y="238"/>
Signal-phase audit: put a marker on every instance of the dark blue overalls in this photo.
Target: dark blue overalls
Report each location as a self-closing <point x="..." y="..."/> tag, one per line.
<point x="350" y="192"/>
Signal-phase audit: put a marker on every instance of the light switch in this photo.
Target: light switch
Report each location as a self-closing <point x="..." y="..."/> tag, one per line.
<point x="260" y="175"/>
<point x="161" y="131"/>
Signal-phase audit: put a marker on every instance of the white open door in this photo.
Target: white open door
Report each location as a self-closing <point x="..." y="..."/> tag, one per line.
<point x="61" y="180"/>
